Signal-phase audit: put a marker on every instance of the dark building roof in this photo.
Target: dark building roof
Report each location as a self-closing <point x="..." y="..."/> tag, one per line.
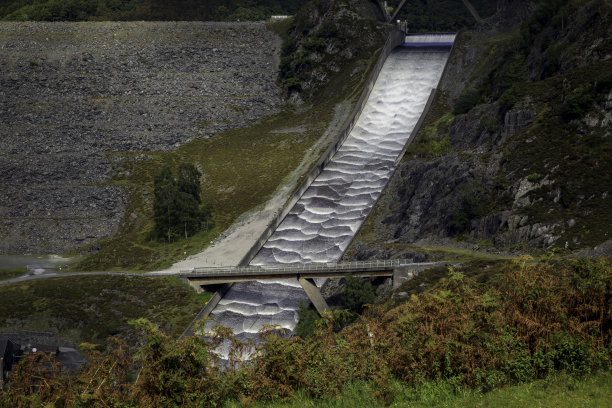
<point x="7" y="345"/>
<point x="42" y="341"/>
<point x="65" y="352"/>
<point x="9" y="354"/>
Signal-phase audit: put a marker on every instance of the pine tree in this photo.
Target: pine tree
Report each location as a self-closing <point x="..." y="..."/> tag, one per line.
<point x="189" y="181"/>
<point x="164" y="204"/>
<point x="177" y="208"/>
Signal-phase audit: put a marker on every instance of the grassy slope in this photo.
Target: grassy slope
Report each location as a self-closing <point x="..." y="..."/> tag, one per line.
<point x="555" y="391"/>
<point x="6" y="274"/>
<point x="91" y="308"/>
<point x="242" y="169"/>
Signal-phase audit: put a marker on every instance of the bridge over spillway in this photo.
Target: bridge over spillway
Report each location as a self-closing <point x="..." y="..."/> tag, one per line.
<point x="320" y="226"/>
<point x="399" y="270"/>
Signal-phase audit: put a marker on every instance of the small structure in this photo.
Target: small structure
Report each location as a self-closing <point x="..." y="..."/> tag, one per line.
<point x="15" y="345"/>
<point x="10" y="352"/>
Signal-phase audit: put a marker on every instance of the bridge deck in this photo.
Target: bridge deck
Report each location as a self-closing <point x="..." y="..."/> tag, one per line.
<point x="313" y="270"/>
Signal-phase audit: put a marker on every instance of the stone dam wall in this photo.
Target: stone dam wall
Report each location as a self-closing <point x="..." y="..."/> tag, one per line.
<point x="75" y="95"/>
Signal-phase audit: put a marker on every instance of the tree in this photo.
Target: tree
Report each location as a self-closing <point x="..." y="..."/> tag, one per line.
<point x="177" y="205"/>
<point x="307" y="318"/>
<point x="357" y="292"/>
<point x="189" y="181"/>
<point x="164" y="204"/>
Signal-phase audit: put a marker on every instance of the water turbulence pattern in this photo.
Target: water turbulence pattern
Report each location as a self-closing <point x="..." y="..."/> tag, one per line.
<point x="322" y="223"/>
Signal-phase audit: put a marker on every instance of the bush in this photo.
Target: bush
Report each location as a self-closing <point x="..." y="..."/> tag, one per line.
<point x="357" y="292"/>
<point x="466" y="101"/>
<point x="529" y="320"/>
<point x="471" y="207"/>
<point x="533" y="177"/>
<point x="177" y="205"/>
<point x="577" y="102"/>
<point x="307" y="319"/>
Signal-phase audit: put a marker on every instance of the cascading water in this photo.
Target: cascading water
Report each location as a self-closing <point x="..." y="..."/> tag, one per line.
<point x="321" y="225"/>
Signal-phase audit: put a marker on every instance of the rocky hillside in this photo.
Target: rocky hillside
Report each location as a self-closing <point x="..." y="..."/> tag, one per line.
<point x="515" y="152"/>
<point x="324" y="38"/>
<point x="145" y="10"/>
<point x="74" y="96"/>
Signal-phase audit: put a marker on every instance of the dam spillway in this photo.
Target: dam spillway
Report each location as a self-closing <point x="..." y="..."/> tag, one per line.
<point x="323" y="222"/>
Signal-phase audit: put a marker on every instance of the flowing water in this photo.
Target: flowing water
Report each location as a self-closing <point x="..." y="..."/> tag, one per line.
<point x="321" y="225"/>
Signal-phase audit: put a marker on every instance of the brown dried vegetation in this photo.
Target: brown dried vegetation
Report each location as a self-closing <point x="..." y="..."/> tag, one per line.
<point x="527" y="321"/>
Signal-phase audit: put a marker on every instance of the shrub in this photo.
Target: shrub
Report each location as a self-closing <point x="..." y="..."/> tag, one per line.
<point x="307" y="319"/>
<point x="466" y="101"/>
<point x="577" y="102"/>
<point x="488" y="123"/>
<point x="471" y="207"/>
<point x="533" y="177"/>
<point x="177" y="208"/>
<point x="529" y="320"/>
<point x="357" y="292"/>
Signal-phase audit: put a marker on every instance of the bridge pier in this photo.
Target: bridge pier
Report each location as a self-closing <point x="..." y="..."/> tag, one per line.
<point x="402" y="274"/>
<point x="314" y="294"/>
<point x="223" y="277"/>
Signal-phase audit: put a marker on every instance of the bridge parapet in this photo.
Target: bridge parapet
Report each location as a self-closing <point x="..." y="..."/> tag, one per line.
<point x="294" y="268"/>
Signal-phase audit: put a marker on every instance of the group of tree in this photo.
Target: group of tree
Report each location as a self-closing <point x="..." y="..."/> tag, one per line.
<point x="158" y="10"/>
<point x="178" y="210"/>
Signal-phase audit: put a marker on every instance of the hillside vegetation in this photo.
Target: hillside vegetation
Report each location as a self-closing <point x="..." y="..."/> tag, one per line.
<point x="511" y="323"/>
<point x="92" y="308"/>
<point x="514" y="152"/>
<point x="148" y="10"/>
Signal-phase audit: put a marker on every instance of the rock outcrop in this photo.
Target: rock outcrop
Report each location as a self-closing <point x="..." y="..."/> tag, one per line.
<point x="513" y="152"/>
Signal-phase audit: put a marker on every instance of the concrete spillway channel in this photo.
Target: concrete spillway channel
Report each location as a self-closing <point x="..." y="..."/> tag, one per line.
<point x="323" y="222"/>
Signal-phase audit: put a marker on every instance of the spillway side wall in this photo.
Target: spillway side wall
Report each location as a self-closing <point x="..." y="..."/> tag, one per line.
<point x="207" y="309"/>
<point x="396" y="37"/>
<point x="412" y="136"/>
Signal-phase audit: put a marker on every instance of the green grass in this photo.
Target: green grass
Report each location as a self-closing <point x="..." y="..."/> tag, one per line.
<point x="427" y="145"/>
<point x="242" y="169"/>
<point x="556" y="391"/>
<point x="91" y="308"/>
<point x="6" y="274"/>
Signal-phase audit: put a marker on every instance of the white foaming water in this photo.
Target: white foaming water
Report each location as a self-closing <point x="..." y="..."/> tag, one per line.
<point x="430" y="38"/>
<point x="321" y="225"/>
